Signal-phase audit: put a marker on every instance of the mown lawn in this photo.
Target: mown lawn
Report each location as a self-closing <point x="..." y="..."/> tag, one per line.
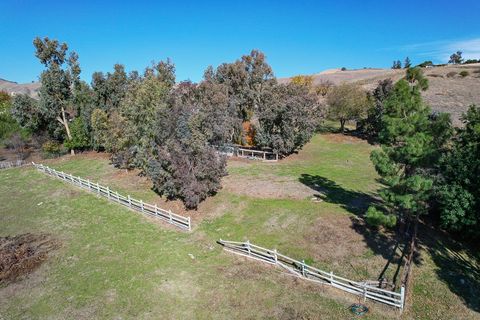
<point x="114" y="263"/>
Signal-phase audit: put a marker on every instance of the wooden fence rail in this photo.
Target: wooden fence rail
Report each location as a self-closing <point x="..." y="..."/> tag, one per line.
<point x="127" y="201"/>
<point x="257" y="154"/>
<point x="12" y="164"/>
<point x="303" y="270"/>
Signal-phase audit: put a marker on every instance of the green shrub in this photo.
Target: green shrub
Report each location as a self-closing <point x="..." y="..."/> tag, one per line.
<point x="80" y="137"/>
<point x="464" y="73"/>
<point x="51" y="149"/>
<point x="377" y="218"/>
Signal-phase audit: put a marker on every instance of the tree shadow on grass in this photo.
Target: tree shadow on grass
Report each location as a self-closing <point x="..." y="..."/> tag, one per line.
<point x="329" y="191"/>
<point x="457" y="264"/>
<point x="386" y="244"/>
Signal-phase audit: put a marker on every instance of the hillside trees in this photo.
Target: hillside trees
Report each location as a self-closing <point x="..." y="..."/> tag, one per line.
<point x="456" y="58"/>
<point x="458" y="190"/>
<point x="397" y="65"/>
<point x="347" y="102"/>
<point x="407" y="64"/>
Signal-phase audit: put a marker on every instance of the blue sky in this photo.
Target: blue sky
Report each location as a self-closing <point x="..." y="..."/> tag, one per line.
<point x="298" y="37"/>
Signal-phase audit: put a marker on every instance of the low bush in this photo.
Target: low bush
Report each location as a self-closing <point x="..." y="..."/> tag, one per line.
<point x="464" y="73"/>
<point x="19" y="144"/>
<point x="51" y="149"/>
<point x="377" y="218"/>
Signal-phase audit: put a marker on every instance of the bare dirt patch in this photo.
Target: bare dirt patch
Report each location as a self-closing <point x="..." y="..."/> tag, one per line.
<point x="269" y="187"/>
<point x="20" y="255"/>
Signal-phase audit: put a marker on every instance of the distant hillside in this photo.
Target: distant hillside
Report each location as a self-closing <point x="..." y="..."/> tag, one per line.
<point x="448" y="91"/>
<point x="25" y="88"/>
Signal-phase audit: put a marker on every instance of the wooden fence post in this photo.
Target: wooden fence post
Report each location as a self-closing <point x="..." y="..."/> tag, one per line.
<point x="402" y="298"/>
<point x="129" y="201"/>
<point x="118" y="197"/>
<point x="189" y="224"/>
<point x="331" y="277"/>
<point x="98" y="188"/>
<point x="141" y="204"/>
<point x="248" y="247"/>
<point x="275" y="255"/>
<point x="364" y="292"/>
<point x="108" y="192"/>
<point x="303" y="268"/>
<point x="89" y="185"/>
<point x="156" y="209"/>
<point x="170" y="215"/>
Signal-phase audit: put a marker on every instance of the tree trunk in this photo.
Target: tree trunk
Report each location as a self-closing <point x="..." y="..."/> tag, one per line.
<point x="63" y="120"/>
<point x="342" y="125"/>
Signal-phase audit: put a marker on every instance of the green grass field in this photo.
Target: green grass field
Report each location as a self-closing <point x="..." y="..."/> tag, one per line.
<point x="116" y="264"/>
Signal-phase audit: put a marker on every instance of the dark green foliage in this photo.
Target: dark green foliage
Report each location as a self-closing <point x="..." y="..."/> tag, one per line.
<point x="411" y="141"/>
<point x="184" y="165"/>
<point x="8" y="124"/>
<point x="425" y="64"/>
<point x="247" y="81"/>
<point x="59" y="81"/>
<point x="407" y="64"/>
<point x="458" y="189"/>
<point x="80" y="135"/>
<point x="347" y="102"/>
<point x="377" y="218"/>
<point x="397" y="65"/>
<point x="287" y="119"/>
<point x="372" y="125"/>
<point x="138" y="112"/>
<point x="99" y="124"/>
<point x="415" y="77"/>
<point x="469" y="61"/>
<point x="456" y="58"/>
<point x="464" y="73"/>
<point x="26" y="112"/>
<point x="109" y="90"/>
<point x="51" y="149"/>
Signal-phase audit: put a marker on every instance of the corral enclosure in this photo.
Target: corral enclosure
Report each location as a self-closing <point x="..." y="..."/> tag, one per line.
<point x="114" y="263"/>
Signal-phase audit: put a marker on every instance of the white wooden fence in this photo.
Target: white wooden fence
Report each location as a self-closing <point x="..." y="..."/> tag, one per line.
<point x="303" y="270"/>
<point x="12" y="164"/>
<point x="257" y="154"/>
<point x="137" y="205"/>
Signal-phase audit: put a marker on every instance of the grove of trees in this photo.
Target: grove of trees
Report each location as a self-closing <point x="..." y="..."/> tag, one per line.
<point x="168" y="130"/>
<point x="171" y="130"/>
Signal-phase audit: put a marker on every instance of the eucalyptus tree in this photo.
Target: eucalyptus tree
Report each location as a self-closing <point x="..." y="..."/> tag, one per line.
<point x="58" y="80"/>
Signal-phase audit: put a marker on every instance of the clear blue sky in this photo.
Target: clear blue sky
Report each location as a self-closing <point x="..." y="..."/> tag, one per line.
<point x="298" y="37"/>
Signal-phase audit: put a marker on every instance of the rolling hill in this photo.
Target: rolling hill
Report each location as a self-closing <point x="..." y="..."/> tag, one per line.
<point x="448" y="91"/>
<point x="24" y="88"/>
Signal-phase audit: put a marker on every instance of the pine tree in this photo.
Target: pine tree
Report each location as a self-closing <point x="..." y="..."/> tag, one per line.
<point x="407" y="64"/>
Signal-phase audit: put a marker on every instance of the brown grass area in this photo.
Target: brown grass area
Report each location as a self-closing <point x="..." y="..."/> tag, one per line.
<point x="22" y="254"/>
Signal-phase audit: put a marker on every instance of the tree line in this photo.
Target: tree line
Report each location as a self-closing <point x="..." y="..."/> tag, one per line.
<point x="170" y="130"/>
<point x="167" y="129"/>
